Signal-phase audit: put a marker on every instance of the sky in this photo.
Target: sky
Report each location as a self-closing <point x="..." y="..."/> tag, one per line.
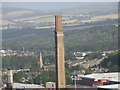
<point x="2" y="1"/>
<point x="40" y="5"/>
<point x="59" y="0"/>
<point x="44" y="5"/>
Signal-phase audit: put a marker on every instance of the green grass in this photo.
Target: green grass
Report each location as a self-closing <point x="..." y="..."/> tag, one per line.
<point x="45" y="19"/>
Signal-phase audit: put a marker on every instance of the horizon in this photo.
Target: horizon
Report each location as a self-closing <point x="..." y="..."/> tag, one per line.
<point x="46" y="6"/>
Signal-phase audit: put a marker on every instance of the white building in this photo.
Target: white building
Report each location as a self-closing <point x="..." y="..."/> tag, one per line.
<point x="112" y="78"/>
<point x="108" y="76"/>
<point x="20" y="85"/>
<point x="109" y="87"/>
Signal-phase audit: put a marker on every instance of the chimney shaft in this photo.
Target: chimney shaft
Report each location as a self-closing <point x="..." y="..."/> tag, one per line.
<point x="60" y="61"/>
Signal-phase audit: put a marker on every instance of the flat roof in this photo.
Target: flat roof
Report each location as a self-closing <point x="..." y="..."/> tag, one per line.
<point x="98" y="76"/>
<point x="113" y="86"/>
<point x="20" y="85"/>
<point x="50" y="82"/>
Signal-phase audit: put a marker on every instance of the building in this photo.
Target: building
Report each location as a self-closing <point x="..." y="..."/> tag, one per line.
<point x="26" y="86"/>
<point x="19" y="86"/>
<point x="109" y="87"/>
<point x="50" y="85"/>
<point x="100" y="79"/>
<point x="10" y="79"/>
<point x="75" y="62"/>
<point x="60" y="60"/>
<point x="49" y="68"/>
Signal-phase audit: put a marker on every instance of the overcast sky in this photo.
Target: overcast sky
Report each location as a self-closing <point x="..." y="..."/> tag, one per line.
<point x="59" y="0"/>
<point x="45" y="5"/>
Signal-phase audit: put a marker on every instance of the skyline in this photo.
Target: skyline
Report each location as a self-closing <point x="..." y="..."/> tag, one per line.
<point x="49" y="5"/>
<point x="60" y="1"/>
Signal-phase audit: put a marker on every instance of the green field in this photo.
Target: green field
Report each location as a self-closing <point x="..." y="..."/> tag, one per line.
<point x="45" y="19"/>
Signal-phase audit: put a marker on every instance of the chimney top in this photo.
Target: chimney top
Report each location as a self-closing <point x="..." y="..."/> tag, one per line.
<point x="58" y="23"/>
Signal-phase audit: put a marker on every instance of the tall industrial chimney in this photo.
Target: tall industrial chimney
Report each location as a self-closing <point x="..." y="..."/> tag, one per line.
<point x="60" y="60"/>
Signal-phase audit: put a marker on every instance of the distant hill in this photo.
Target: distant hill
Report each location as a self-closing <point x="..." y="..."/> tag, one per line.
<point x="93" y="8"/>
<point x="11" y="9"/>
<point x="95" y="38"/>
<point x="92" y="39"/>
<point x="84" y="8"/>
<point x="10" y="13"/>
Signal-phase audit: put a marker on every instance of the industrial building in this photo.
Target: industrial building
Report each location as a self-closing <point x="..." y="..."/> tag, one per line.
<point x="101" y="79"/>
<point x="109" y="87"/>
<point x="97" y="76"/>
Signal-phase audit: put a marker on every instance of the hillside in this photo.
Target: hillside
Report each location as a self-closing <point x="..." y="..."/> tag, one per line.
<point x="91" y="39"/>
<point x="93" y="8"/>
<point x="112" y="62"/>
<point x="10" y="13"/>
<point x="82" y="8"/>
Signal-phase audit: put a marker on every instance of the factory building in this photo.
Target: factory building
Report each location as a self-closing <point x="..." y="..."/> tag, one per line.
<point x="100" y="79"/>
<point x="109" y="87"/>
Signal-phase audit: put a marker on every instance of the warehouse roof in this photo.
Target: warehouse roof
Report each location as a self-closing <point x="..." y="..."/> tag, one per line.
<point x="98" y="76"/>
<point x="114" y="86"/>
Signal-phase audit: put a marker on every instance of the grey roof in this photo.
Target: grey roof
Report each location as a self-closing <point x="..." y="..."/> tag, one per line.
<point x="20" y="85"/>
